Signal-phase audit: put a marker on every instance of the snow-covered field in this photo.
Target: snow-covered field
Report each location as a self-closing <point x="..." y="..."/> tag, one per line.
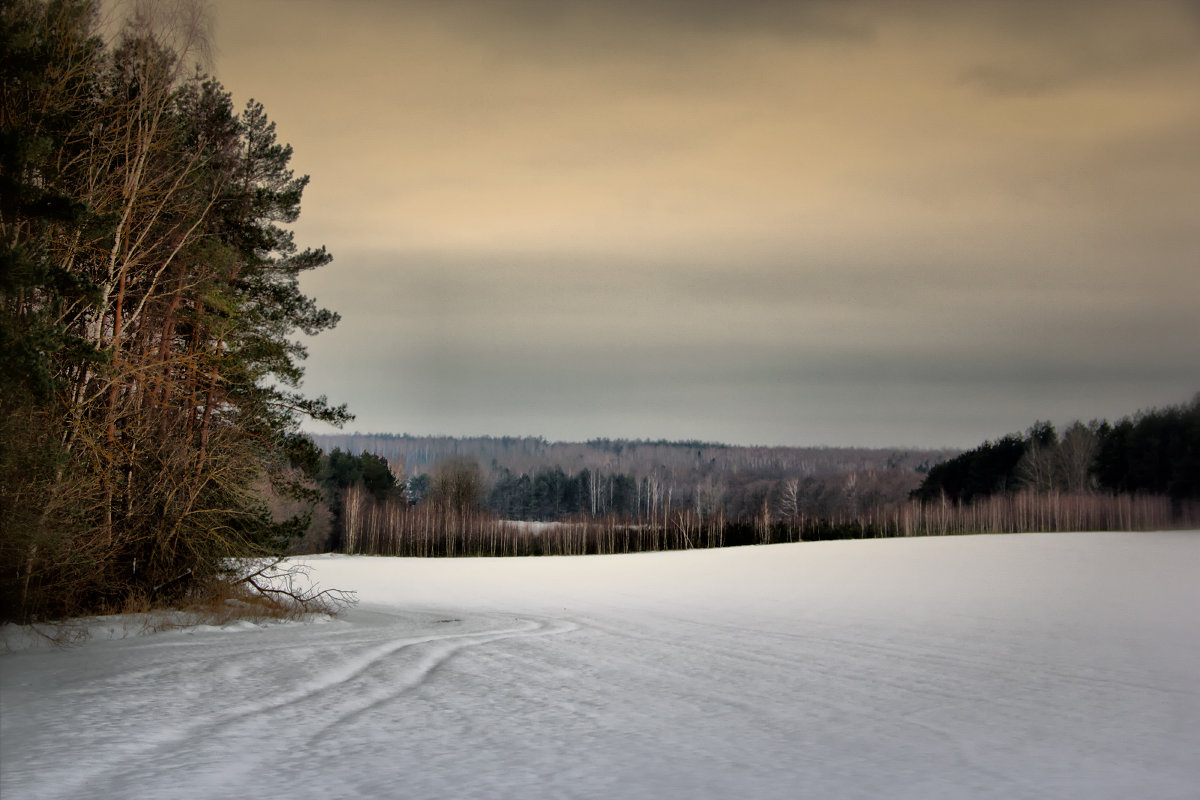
<point x="1031" y="666"/>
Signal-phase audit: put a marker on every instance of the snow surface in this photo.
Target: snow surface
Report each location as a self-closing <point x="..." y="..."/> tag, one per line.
<point x="1020" y="666"/>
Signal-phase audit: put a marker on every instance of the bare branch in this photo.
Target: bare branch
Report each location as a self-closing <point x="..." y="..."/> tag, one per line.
<point x="279" y="580"/>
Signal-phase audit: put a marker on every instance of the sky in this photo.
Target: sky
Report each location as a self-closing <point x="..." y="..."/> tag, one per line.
<point x="818" y="222"/>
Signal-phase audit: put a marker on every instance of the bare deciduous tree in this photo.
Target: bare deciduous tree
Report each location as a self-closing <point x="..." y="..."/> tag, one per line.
<point x="1076" y="452"/>
<point x="457" y="484"/>
<point x="789" y="501"/>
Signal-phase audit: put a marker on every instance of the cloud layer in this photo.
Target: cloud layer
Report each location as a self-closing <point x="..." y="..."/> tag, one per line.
<point x="793" y="222"/>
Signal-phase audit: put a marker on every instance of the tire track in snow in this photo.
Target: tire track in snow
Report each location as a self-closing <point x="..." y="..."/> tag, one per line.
<point x="429" y="665"/>
<point x="156" y="762"/>
<point x="352" y="669"/>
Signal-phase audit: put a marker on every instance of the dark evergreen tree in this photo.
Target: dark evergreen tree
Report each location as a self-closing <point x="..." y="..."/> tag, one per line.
<point x="988" y="469"/>
<point x="417" y="488"/>
<point x="1156" y="452"/>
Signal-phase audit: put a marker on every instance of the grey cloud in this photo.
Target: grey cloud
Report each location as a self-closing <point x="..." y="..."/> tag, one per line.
<point x="568" y="31"/>
<point x="1011" y="80"/>
<point x="1041" y="48"/>
<point x="869" y="312"/>
<point x="749" y="396"/>
<point x="761" y="222"/>
<point x="1020" y="78"/>
<point x="817" y="18"/>
<point x="755" y="364"/>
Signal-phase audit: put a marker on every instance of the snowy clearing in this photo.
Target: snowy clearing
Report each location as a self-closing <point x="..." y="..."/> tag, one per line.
<point x="1020" y="666"/>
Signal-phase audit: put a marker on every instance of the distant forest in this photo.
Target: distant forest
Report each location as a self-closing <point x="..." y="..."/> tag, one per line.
<point x="414" y="495"/>
<point x="530" y="478"/>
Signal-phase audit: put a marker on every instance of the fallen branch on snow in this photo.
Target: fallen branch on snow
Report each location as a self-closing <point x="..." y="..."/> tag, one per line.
<point x="285" y="583"/>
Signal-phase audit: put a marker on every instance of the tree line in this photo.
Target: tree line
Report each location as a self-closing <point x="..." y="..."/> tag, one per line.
<point x="1139" y="473"/>
<point x="550" y="493"/>
<point x="1154" y="452"/>
<point x="683" y="460"/>
<point x="148" y="300"/>
<point x="529" y="478"/>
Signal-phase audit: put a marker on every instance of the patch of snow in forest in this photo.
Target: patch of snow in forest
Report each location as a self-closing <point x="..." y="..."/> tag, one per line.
<point x="1036" y="665"/>
<point x="531" y="526"/>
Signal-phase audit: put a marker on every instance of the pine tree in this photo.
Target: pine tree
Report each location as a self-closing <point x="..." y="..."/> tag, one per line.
<point x="148" y="299"/>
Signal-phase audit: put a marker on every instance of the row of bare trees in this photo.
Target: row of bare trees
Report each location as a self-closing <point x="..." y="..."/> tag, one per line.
<point x="148" y="296"/>
<point x="434" y="529"/>
<point x="438" y="529"/>
<point x="1032" y="511"/>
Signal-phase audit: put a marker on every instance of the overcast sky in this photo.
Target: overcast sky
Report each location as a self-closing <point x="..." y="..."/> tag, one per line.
<point x="766" y="222"/>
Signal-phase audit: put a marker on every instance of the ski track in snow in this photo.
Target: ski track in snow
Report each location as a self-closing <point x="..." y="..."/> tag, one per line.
<point x="854" y="670"/>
